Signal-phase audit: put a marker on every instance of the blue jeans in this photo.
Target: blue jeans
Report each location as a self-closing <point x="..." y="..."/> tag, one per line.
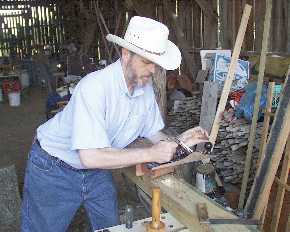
<point x="53" y="192"/>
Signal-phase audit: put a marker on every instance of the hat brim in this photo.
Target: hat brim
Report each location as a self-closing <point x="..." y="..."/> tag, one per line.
<point x="170" y="60"/>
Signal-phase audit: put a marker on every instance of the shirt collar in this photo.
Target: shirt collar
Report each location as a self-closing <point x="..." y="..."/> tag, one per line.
<point x="122" y="83"/>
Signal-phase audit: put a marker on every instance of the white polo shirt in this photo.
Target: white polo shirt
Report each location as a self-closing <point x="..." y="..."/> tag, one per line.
<point x="100" y="114"/>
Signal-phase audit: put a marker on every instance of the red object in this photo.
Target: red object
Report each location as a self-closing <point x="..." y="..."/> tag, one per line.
<point x="237" y="95"/>
<point x="11" y="86"/>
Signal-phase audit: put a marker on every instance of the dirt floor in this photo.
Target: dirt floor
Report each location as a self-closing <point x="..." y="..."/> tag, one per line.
<point x="17" y="127"/>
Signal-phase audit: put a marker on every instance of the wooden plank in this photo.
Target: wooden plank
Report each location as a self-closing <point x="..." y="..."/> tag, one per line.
<point x="99" y="13"/>
<point x="280" y="189"/>
<point x="266" y="122"/>
<point x="257" y="104"/>
<point x="279" y="182"/>
<point x="103" y="35"/>
<point x="202" y="214"/>
<point x="288" y="26"/>
<point x="210" y="25"/>
<point x="180" y="200"/>
<point x="208" y="9"/>
<point x="171" y="224"/>
<point x="196" y="29"/>
<point x="188" y="60"/>
<point x="288" y="224"/>
<point x="260" y="8"/>
<point x="278" y="27"/>
<point x="225" y="31"/>
<point x="249" y="37"/>
<point x="275" y="146"/>
<point x="230" y="74"/>
<point x="208" y="105"/>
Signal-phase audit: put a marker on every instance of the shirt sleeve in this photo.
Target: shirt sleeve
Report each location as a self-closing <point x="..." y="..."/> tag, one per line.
<point x="153" y="122"/>
<point x="88" y="119"/>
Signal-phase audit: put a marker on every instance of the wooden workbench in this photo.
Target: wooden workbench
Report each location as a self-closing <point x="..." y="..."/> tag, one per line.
<point x="180" y="199"/>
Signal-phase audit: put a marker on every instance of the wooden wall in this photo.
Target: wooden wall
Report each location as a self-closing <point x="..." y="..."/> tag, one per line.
<point x="201" y="24"/>
<point x="26" y="26"/>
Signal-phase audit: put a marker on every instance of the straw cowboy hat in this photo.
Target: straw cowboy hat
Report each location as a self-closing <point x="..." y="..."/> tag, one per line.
<point x="149" y="39"/>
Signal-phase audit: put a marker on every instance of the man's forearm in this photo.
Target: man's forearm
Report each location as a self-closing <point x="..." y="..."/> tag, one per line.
<point x="110" y="158"/>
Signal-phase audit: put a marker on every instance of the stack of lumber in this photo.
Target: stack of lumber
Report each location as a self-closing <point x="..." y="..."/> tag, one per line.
<point x="184" y="114"/>
<point x="229" y="153"/>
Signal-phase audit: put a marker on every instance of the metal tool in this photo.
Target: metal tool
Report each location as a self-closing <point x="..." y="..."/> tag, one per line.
<point x="182" y="151"/>
<point x="182" y="144"/>
<point x="204" y="219"/>
<point x="129" y="216"/>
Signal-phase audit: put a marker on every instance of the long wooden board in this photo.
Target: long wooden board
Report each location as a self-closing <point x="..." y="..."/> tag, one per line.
<point x="281" y="190"/>
<point x="275" y="146"/>
<point x="180" y="200"/>
<point x="257" y="104"/>
<point x="231" y="73"/>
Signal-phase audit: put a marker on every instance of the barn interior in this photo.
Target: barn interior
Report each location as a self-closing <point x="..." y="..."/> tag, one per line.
<point x="232" y="81"/>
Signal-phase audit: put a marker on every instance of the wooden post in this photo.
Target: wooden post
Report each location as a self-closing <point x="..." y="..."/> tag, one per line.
<point x="288" y="224"/>
<point x="288" y="27"/>
<point x="281" y="189"/>
<point x="260" y="9"/>
<point x="231" y="72"/>
<point x="105" y="26"/>
<point x="208" y="105"/>
<point x="189" y="60"/>
<point x="257" y="103"/>
<point x="266" y="123"/>
<point x="98" y="12"/>
<point x="275" y="146"/>
<point x="156" y="225"/>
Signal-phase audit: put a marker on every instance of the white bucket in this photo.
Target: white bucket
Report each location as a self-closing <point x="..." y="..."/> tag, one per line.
<point x="14" y="98"/>
<point x="200" y="182"/>
<point x="205" y="178"/>
<point x="24" y="79"/>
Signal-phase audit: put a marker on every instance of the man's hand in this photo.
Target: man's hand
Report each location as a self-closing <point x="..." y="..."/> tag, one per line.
<point x="194" y="136"/>
<point x="163" y="151"/>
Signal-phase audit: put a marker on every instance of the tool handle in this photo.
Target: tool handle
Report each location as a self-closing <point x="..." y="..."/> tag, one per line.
<point x="156" y="208"/>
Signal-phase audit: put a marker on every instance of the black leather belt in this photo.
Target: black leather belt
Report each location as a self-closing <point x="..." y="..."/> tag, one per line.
<point x="60" y="162"/>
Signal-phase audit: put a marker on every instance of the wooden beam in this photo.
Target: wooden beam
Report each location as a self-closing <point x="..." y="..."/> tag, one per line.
<point x="288" y="27"/>
<point x="103" y="35"/>
<point x="281" y="190"/>
<point x="142" y="7"/>
<point x="99" y="13"/>
<point x="288" y="224"/>
<point x="225" y="17"/>
<point x="189" y="60"/>
<point x="257" y="104"/>
<point x="230" y="74"/>
<point x="181" y="199"/>
<point x="275" y="146"/>
<point x="208" y="105"/>
<point x="266" y="123"/>
<point x="208" y="10"/>
<point x="279" y="182"/>
<point x="210" y="27"/>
